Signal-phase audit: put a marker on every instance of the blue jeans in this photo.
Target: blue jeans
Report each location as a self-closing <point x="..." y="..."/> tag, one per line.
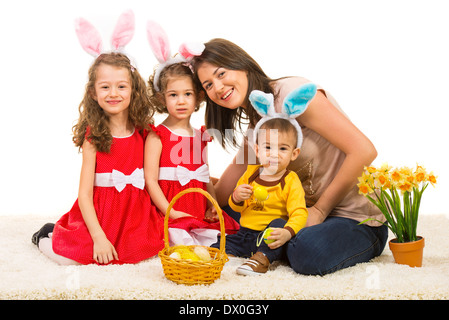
<point x="233" y="214"/>
<point x="244" y="243"/>
<point x="335" y="244"/>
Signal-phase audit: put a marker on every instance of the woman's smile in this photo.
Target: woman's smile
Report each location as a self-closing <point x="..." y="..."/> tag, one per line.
<point x="227" y="95"/>
<point x="225" y="87"/>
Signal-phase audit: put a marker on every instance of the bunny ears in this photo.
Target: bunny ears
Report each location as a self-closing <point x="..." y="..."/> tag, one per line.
<point x="160" y="46"/>
<point x="295" y="103"/>
<point x="90" y="38"/>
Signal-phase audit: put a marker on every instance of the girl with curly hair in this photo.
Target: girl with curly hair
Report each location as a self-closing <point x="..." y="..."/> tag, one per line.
<point x="113" y="219"/>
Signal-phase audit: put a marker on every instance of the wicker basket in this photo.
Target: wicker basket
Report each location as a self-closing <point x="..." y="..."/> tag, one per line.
<point x="194" y="272"/>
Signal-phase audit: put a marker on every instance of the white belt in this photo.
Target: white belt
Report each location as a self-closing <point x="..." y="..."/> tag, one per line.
<point x="184" y="175"/>
<point x="119" y="180"/>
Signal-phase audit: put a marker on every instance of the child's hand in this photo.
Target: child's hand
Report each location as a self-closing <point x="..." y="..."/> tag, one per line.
<point x="211" y="215"/>
<point x="104" y="251"/>
<point x="280" y="235"/>
<point x="175" y="214"/>
<point x="242" y="192"/>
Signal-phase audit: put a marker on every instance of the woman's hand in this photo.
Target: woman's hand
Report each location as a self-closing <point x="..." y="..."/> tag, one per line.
<point x="315" y="217"/>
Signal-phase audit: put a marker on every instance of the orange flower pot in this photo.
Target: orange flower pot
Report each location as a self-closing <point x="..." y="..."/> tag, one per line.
<point x="409" y="253"/>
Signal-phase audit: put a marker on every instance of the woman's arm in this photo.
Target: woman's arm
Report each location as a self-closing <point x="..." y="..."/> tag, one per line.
<point x="153" y="149"/>
<point x="229" y="178"/>
<point x="325" y="119"/>
<point x="210" y="185"/>
<point x="104" y="251"/>
<point x="211" y="214"/>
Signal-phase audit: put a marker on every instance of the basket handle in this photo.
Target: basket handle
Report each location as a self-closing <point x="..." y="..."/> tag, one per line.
<point x="214" y="203"/>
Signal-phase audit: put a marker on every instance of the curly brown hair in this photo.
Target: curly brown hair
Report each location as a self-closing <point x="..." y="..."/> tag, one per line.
<point x="92" y="116"/>
<point x="175" y="70"/>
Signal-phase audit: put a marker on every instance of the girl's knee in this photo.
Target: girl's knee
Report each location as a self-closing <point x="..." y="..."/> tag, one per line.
<point x="46" y="247"/>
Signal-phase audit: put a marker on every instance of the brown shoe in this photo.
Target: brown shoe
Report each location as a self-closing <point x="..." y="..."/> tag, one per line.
<point x="256" y="265"/>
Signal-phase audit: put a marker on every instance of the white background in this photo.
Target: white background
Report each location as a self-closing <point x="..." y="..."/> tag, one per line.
<point x="385" y="61"/>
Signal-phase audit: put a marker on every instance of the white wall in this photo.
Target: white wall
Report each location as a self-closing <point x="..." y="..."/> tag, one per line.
<point x="386" y="62"/>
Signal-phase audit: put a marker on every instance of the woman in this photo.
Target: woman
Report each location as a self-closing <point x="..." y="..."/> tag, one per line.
<point x="333" y="155"/>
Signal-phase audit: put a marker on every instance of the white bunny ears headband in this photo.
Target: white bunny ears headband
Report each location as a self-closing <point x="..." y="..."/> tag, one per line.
<point x="90" y="38"/>
<point x="294" y="104"/>
<point x="160" y="46"/>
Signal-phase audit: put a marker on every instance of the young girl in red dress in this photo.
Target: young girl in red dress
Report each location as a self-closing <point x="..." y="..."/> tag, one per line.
<point x="176" y="153"/>
<point x="113" y="219"/>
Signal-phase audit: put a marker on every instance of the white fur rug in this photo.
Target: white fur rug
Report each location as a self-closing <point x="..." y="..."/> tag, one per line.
<point x="27" y="274"/>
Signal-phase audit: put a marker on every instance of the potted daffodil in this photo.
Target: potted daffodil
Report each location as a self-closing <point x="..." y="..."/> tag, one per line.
<point x="397" y="192"/>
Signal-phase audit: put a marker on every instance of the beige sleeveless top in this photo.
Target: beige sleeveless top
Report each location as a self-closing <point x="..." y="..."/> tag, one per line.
<point x="319" y="162"/>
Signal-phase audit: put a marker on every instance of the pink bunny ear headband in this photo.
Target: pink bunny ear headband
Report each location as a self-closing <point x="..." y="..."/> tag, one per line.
<point x="90" y="38"/>
<point x="160" y="45"/>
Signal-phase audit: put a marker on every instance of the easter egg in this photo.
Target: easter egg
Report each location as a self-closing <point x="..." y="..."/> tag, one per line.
<point x="186" y="254"/>
<point x="261" y="193"/>
<point x="266" y="234"/>
<point x="202" y="253"/>
<point x="190" y="256"/>
<point x="175" y="255"/>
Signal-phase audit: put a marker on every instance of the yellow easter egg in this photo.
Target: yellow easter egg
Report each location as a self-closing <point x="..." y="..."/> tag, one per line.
<point x="266" y="234"/>
<point x="187" y="254"/>
<point x="175" y="255"/>
<point x="261" y="193"/>
<point x="202" y="253"/>
<point x="191" y="256"/>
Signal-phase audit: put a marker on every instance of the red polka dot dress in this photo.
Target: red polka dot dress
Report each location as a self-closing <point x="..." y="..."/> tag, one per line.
<point x="123" y="208"/>
<point x="183" y="165"/>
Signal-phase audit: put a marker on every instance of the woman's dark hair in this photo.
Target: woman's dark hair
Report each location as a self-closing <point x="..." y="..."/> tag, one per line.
<point x="224" y="53"/>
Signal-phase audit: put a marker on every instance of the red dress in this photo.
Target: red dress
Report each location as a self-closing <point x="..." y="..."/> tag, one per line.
<point x="123" y="208"/>
<point x="183" y="165"/>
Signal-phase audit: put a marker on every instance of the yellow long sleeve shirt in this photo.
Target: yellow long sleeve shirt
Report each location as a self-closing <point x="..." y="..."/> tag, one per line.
<point x="286" y="200"/>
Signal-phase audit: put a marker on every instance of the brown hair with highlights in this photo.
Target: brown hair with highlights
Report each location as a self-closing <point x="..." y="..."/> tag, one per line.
<point x="226" y="54"/>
